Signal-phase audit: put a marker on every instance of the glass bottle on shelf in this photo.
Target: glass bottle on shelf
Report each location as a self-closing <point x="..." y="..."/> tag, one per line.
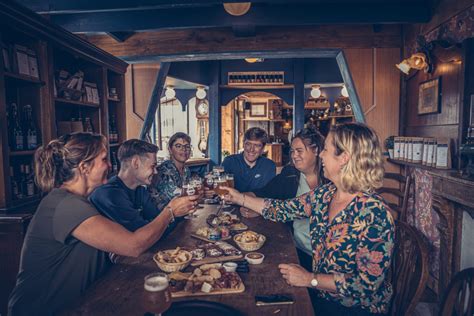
<point x="14" y="126"/>
<point x="29" y="182"/>
<point x="31" y="132"/>
<point x="14" y="184"/>
<point x="113" y="134"/>
<point x="88" y="125"/>
<point x="114" y="162"/>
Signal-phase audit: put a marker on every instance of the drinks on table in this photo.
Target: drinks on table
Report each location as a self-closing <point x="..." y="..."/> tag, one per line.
<point x="156" y="294"/>
<point x="230" y="180"/>
<point x="220" y="182"/>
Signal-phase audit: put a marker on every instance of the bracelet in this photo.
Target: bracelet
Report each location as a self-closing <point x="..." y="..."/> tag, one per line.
<point x="243" y="202"/>
<point x="171" y="213"/>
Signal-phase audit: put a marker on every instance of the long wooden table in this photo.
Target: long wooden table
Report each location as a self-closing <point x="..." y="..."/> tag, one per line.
<point x="119" y="291"/>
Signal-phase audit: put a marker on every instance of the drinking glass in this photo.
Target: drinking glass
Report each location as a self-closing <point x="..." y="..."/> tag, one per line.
<point x="156" y="296"/>
<point x="219" y="182"/>
<point x="188" y="190"/>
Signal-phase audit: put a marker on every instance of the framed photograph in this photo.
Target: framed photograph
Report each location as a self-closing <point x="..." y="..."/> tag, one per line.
<point x="258" y="110"/>
<point x="429" y="96"/>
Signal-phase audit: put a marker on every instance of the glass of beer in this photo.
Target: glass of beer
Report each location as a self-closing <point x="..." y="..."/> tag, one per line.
<point x="188" y="190"/>
<point x="156" y="294"/>
<point x="230" y="180"/>
<point x="218" y="184"/>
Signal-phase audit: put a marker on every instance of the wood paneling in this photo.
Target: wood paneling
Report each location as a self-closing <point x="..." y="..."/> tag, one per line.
<point x="139" y="82"/>
<point x="267" y="38"/>
<point x="227" y="136"/>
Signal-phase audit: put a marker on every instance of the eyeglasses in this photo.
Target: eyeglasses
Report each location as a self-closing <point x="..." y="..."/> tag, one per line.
<point x="183" y="147"/>
<point x="248" y="145"/>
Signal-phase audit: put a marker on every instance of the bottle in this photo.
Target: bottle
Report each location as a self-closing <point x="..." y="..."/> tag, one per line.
<point x="88" y="125"/>
<point x="14" y="183"/>
<point x="113" y="134"/>
<point x="29" y="182"/>
<point x="15" y="128"/>
<point x="114" y="162"/>
<point x="31" y="132"/>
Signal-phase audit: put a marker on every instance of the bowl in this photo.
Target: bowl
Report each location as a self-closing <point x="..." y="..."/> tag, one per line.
<point x="252" y="245"/>
<point x="254" y="257"/>
<point x="172" y="266"/>
<point x="230" y="266"/>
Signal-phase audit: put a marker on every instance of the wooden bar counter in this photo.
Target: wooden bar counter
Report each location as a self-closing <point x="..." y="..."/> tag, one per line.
<point x="119" y="291"/>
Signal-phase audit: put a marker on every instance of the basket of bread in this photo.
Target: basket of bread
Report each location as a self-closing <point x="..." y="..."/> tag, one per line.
<point x="249" y="240"/>
<point x="173" y="260"/>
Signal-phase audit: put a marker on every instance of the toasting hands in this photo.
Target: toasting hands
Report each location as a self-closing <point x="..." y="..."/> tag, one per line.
<point x="183" y="205"/>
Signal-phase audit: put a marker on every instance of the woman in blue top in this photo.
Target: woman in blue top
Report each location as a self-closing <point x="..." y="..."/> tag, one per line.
<point x="172" y="173"/>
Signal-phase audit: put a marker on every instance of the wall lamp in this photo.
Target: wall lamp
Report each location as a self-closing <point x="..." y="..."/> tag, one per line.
<point x="315" y="91"/>
<point x="418" y="61"/>
<point x="200" y="93"/>
<point x="169" y="92"/>
<point x="237" y="8"/>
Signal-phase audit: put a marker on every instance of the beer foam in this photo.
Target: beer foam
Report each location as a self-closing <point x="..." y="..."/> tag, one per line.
<point x="155" y="284"/>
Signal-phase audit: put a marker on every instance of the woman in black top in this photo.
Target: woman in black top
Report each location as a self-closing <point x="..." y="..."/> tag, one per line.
<point x="302" y="175"/>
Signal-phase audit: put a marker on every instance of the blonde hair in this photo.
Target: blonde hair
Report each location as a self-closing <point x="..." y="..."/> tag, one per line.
<point x="364" y="171"/>
<point x="56" y="162"/>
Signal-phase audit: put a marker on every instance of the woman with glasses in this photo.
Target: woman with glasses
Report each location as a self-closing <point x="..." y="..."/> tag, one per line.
<point x="172" y="173"/>
<point x="304" y="174"/>
<point x="352" y="230"/>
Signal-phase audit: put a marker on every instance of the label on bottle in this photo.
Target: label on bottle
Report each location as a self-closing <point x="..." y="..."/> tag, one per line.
<point x="30" y="188"/>
<point x="19" y="142"/>
<point x="32" y="141"/>
<point x="15" y="191"/>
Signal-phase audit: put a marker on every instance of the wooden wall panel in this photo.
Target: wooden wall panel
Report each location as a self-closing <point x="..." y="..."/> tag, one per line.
<point x="139" y="82"/>
<point x="361" y="66"/>
<point x="227" y="136"/>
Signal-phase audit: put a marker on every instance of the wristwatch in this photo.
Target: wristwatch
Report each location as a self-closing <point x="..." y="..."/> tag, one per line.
<point x="314" y="281"/>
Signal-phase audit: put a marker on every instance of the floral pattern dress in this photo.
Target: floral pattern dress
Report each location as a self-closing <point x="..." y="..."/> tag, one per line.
<point x="166" y="182"/>
<point x="356" y="246"/>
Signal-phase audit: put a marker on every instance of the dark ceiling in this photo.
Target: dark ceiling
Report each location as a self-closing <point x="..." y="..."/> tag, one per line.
<point x="121" y="18"/>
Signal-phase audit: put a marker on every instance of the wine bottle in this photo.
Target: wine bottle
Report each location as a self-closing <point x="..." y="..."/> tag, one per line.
<point x="15" y="128"/>
<point x="88" y="125"/>
<point x="113" y="134"/>
<point x="31" y="132"/>
<point x="14" y="184"/>
<point x="29" y="182"/>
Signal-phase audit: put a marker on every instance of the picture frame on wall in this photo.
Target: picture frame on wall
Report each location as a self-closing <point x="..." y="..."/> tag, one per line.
<point x="429" y="96"/>
<point x="258" y="109"/>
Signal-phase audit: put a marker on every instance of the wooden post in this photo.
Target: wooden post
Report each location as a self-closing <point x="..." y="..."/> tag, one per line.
<point x="298" y="95"/>
<point x="214" y="115"/>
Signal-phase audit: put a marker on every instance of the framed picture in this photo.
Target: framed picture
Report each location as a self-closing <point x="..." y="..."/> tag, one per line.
<point x="429" y="96"/>
<point x="258" y="110"/>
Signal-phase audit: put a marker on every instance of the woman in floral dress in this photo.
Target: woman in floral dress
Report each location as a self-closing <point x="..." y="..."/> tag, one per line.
<point x="352" y="231"/>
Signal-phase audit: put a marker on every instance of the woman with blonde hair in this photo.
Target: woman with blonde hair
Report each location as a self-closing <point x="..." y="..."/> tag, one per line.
<point x="352" y="231"/>
<point x="67" y="241"/>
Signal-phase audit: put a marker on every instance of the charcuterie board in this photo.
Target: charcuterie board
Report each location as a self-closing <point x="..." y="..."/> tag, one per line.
<point x="216" y="259"/>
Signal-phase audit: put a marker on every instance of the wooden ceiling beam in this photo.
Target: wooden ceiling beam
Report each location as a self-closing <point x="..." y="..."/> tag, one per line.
<point x="120" y="36"/>
<point x="259" y="15"/>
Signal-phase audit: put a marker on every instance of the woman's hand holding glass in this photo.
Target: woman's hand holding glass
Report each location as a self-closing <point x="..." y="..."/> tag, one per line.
<point x="183" y="205"/>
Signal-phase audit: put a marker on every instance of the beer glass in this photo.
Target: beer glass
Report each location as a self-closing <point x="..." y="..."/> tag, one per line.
<point x="188" y="190"/>
<point x="219" y="182"/>
<point x="156" y="294"/>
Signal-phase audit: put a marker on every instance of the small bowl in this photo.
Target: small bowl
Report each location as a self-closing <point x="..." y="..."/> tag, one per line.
<point x="254" y="257"/>
<point x="230" y="266"/>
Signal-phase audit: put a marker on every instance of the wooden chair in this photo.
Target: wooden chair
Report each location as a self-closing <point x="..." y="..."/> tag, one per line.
<point x="401" y="193"/>
<point x="459" y="298"/>
<point x="409" y="270"/>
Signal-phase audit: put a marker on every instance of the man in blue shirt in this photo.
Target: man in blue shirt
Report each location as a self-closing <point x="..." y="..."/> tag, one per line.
<point x="125" y="198"/>
<point x="251" y="171"/>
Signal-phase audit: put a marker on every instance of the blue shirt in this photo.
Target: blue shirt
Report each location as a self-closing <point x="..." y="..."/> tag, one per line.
<point x="248" y="178"/>
<point x="130" y="208"/>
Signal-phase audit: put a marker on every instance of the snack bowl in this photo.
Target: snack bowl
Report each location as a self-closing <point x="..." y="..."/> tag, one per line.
<point x="249" y="244"/>
<point x="254" y="257"/>
<point x="230" y="266"/>
<point x="183" y="258"/>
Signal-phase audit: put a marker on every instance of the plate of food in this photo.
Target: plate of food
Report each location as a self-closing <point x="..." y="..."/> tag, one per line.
<point x="224" y="219"/>
<point x="212" y="234"/>
<point x="208" y="279"/>
<point x="249" y="240"/>
<point x="215" y="252"/>
<point x="173" y="259"/>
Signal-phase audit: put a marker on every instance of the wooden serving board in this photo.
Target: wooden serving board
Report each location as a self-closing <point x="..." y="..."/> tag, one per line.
<point x="240" y="289"/>
<point x="216" y="259"/>
<point x="207" y="239"/>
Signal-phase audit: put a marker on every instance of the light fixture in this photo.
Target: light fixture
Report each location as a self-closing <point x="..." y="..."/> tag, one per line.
<point x="200" y="93"/>
<point x="315" y="92"/>
<point x="237" y="8"/>
<point x="416" y="61"/>
<point x="344" y="91"/>
<point x="252" y="60"/>
<point x="170" y="93"/>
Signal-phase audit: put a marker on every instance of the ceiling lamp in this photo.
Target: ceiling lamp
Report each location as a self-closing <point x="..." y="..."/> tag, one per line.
<point x="416" y="61"/>
<point x="170" y="93"/>
<point x="344" y="91"/>
<point x="237" y="8"/>
<point x="252" y="60"/>
<point x="200" y="93"/>
<point x="315" y="92"/>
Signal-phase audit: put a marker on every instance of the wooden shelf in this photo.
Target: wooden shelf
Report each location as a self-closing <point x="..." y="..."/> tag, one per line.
<point x="114" y="144"/>
<point x="258" y="87"/>
<point x="79" y="103"/>
<point x="263" y="120"/>
<point x="22" y="152"/>
<point x="415" y="165"/>
<point x="24" y="78"/>
<point x="113" y="99"/>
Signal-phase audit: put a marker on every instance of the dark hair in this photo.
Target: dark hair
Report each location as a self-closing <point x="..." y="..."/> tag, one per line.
<point x="176" y="136"/>
<point x="312" y="138"/>
<point x="256" y="133"/>
<point x="55" y="163"/>
<point x="134" y="147"/>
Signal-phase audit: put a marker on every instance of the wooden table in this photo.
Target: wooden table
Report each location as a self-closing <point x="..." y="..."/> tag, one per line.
<point x="119" y="291"/>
